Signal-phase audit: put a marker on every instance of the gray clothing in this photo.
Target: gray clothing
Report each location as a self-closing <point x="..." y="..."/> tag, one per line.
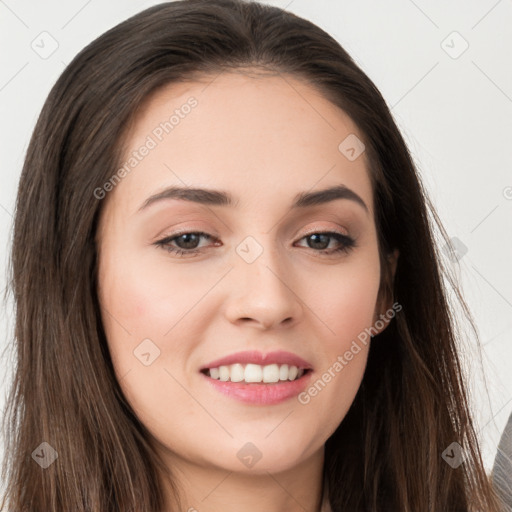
<point x="502" y="470"/>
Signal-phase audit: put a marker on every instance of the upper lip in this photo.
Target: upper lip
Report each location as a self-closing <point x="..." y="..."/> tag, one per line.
<point x="255" y="357"/>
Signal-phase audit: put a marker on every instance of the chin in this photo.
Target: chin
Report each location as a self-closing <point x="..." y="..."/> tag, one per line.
<point x="262" y="456"/>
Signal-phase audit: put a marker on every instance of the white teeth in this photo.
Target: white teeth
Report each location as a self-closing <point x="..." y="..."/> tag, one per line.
<point x="224" y="373"/>
<point x="256" y="373"/>
<point x="253" y="373"/>
<point x="271" y="373"/>
<point x="237" y="373"/>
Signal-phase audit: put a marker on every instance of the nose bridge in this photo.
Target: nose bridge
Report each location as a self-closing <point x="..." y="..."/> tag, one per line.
<point x="263" y="290"/>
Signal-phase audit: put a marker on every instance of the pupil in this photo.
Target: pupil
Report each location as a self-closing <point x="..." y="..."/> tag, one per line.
<point x="188" y="236"/>
<point x="315" y="240"/>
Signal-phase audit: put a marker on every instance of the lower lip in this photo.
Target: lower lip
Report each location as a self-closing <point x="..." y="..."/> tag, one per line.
<point x="259" y="393"/>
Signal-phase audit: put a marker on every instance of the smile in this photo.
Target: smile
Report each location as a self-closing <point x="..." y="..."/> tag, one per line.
<point x="254" y="373"/>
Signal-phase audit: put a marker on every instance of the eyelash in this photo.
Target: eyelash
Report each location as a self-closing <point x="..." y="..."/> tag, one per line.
<point x="347" y="243"/>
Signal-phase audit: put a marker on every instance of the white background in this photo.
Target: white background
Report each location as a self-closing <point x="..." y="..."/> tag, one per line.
<point x="455" y="113"/>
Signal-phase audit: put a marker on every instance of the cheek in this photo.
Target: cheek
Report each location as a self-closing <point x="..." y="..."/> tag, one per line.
<point x="139" y="309"/>
<point x="130" y="313"/>
<point x="140" y="300"/>
<point x="346" y="307"/>
<point x="143" y="302"/>
<point x="332" y="393"/>
<point x="346" y="302"/>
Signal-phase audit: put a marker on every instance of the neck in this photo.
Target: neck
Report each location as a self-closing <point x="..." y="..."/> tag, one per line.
<point x="213" y="489"/>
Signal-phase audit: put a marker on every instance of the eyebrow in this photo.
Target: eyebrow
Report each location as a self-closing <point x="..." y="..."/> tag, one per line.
<point x="221" y="198"/>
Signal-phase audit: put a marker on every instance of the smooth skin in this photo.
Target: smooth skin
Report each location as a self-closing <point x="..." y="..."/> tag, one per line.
<point x="262" y="139"/>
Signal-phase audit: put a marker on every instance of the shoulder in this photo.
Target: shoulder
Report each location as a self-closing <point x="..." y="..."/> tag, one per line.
<point x="502" y="470"/>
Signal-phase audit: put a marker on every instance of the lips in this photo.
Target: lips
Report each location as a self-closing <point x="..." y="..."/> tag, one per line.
<point x="254" y="357"/>
<point x="294" y="375"/>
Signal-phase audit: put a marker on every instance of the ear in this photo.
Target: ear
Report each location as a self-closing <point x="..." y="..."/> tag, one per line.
<point x="385" y="298"/>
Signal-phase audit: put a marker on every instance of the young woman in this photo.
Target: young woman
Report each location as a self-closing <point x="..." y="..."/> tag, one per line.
<point x="228" y="295"/>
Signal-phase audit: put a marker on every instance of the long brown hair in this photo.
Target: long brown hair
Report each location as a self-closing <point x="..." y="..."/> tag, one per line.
<point x="386" y="455"/>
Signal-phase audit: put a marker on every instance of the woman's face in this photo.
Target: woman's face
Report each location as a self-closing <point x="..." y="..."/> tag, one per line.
<point x="262" y="285"/>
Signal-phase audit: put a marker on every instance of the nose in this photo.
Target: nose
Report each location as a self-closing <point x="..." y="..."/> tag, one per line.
<point x="263" y="294"/>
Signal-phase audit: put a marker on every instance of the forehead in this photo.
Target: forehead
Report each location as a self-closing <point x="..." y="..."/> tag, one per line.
<point x="258" y="136"/>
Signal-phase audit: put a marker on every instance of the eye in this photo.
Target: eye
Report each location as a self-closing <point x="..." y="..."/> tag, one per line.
<point x="319" y="241"/>
<point x="187" y="243"/>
